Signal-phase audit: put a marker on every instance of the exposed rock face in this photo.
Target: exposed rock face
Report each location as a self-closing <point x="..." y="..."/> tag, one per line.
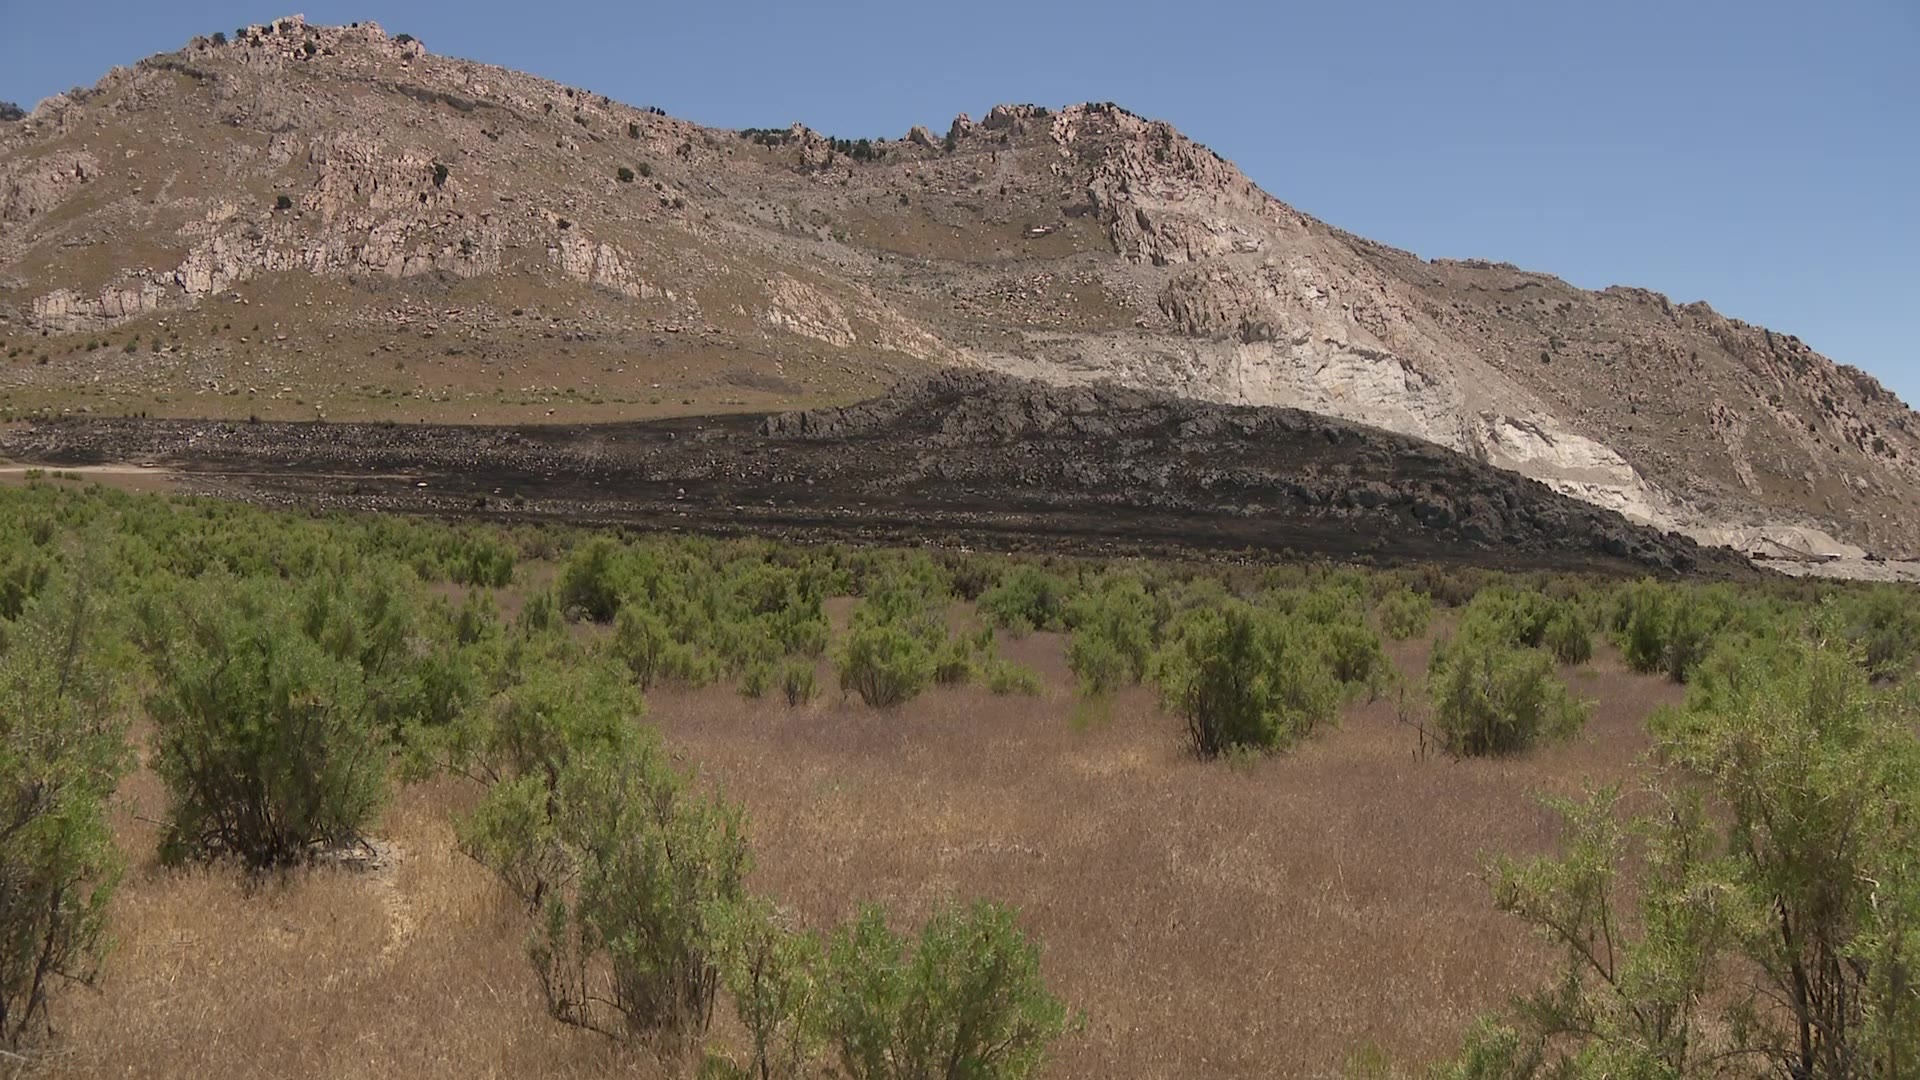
<point x="1145" y="450"/>
<point x="1080" y="245"/>
<point x="966" y="456"/>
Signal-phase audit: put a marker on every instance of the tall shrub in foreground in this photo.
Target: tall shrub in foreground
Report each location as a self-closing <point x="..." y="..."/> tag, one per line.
<point x="61" y="753"/>
<point x="1775" y="929"/>
<point x="632" y="880"/>
<point x="963" y="1000"/>
<point x="1245" y="678"/>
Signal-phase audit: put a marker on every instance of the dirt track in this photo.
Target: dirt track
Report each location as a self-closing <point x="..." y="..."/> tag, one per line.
<point x="962" y="458"/>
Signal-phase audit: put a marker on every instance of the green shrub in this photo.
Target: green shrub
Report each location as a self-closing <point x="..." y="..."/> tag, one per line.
<point x="269" y="731"/>
<point x="970" y="576"/>
<point x="1492" y="698"/>
<point x="641" y="641"/>
<point x="1113" y="635"/>
<point x="540" y="614"/>
<point x="1507" y="614"/>
<point x="1005" y="677"/>
<point x="1026" y="599"/>
<point x="755" y="680"/>
<point x="1568" y="637"/>
<point x="624" y="175"/>
<point x="885" y="663"/>
<point x="1884" y="621"/>
<point x="965" y="1000"/>
<point x="621" y="865"/>
<point x="589" y="581"/>
<point x="953" y="662"/>
<point x="1243" y="677"/>
<point x="1404" y="614"/>
<point x="62" y="751"/>
<point x="1352" y="654"/>
<point x="798" y="684"/>
<point x="480" y="561"/>
<point x="777" y="979"/>
<point x="1672" y="628"/>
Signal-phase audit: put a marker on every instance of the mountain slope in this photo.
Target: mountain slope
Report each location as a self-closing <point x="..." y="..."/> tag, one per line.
<point x="304" y="221"/>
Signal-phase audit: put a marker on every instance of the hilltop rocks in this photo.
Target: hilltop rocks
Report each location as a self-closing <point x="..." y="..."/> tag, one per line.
<point x="1013" y="119"/>
<point x="292" y="40"/>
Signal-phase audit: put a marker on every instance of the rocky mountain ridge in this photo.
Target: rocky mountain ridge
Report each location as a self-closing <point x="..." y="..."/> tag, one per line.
<point x="300" y="220"/>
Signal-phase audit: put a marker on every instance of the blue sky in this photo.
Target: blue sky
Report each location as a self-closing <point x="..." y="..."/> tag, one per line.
<point x="1758" y="154"/>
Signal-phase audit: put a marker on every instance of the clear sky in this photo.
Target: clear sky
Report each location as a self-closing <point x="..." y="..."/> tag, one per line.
<point x="1762" y="155"/>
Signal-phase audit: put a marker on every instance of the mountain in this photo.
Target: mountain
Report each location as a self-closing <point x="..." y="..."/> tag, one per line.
<point x="299" y="221"/>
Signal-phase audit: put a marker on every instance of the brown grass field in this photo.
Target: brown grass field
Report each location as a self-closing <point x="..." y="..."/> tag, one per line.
<point x="1208" y="920"/>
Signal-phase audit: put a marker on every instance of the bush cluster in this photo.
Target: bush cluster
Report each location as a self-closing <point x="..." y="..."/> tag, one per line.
<point x="693" y="613"/>
<point x="1115" y="632"/>
<point x="1494" y="698"/>
<point x="1492" y="684"/>
<point x="1245" y="677"/>
<point x="897" y="644"/>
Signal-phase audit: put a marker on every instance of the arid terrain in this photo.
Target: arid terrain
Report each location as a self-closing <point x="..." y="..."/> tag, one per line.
<point x="298" y="222"/>
<point x="1211" y="921"/>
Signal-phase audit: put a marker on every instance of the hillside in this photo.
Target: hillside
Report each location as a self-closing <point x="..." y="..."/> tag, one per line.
<point x="298" y="222"/>
<point x="959" y="458"/>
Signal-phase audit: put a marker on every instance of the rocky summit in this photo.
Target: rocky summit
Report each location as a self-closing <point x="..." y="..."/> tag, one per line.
<point x="290" y="221"/>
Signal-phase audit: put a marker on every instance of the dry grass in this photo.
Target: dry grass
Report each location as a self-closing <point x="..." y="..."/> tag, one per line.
<point x="412" y="969"/>
<point x="1208" y="920"/>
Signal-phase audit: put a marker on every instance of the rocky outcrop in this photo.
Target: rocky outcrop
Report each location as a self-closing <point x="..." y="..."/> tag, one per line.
<point x="970" y="458"/>
<point x="1154" y="452"/>
<point x="38" y="186"/>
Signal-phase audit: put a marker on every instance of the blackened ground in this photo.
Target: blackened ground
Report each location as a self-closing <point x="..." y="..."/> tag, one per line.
<point x="961" y="458"/>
